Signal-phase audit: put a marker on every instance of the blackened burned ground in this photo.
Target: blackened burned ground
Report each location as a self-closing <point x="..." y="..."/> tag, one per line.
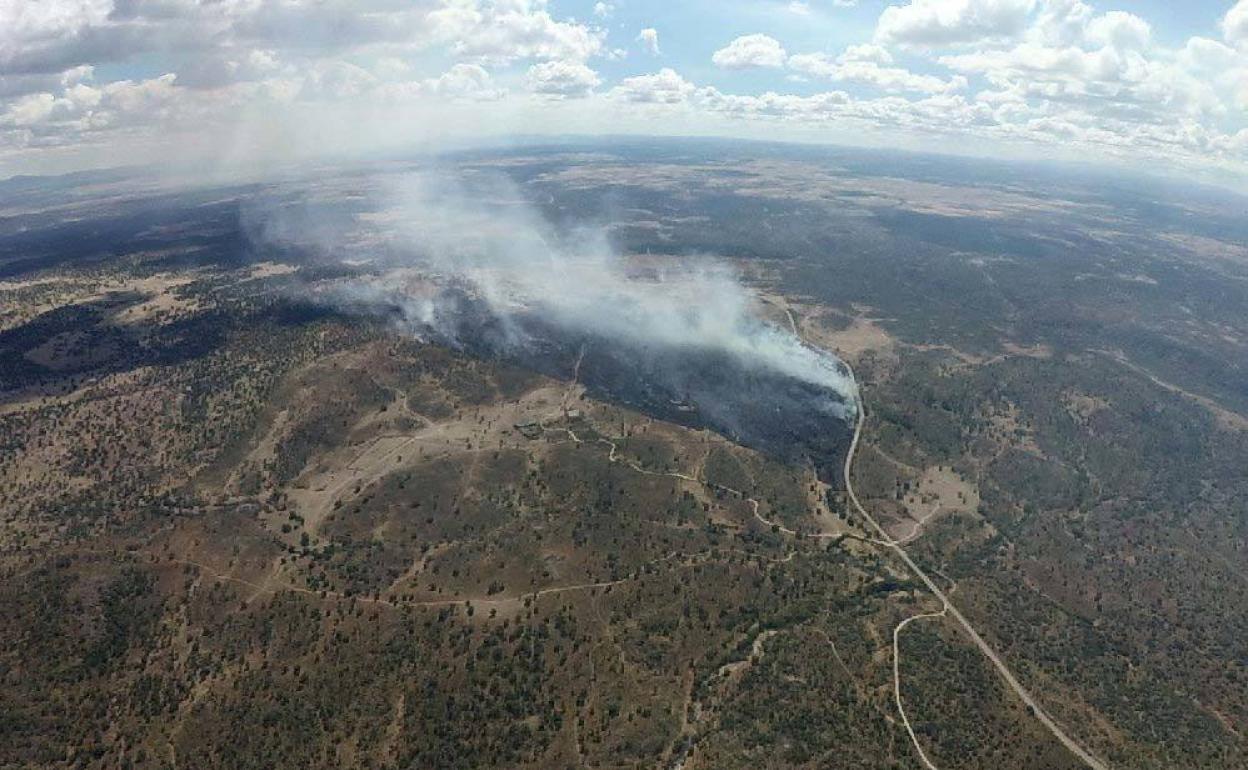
<point x="792" y="420"/>
<point x="787" y="418"/>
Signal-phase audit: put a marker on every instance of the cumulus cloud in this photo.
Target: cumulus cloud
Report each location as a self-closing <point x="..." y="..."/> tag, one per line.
<point x="1235" y="24"/>
<point x="1102" y="74"/>
<point x="465" y="81"/>
<point x="866" y="52"/>
<point x="803" y="8"/>
<point x="57" y="35"/>
<point x="1120" y="30"/>
<point x="1206" y="56"/>
<point x="933" y="23"/>
<point x="815" y="108"/>
<point x="664" y="87"/>
<point x="1039" y="101"/>
<point x="1033" y="71"/>
<point x="235" y="57"/>
<point x="562" y="79"/>
<point x="29" y="110"/>
<point x="862" y="65"/>
<point x="84" y="109"/>
<point x="505" y="30"/>
<point x="1061" y="22"/>
<point x="649" y="39"/>
<point x="750" y="51"/>
<point x="53" y="35"/>
<point x="16" y="85"/>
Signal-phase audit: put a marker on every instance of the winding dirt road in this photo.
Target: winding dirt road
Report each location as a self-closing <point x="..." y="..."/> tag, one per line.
<point x="905" y="720"/>
<point x="887" y="542"/>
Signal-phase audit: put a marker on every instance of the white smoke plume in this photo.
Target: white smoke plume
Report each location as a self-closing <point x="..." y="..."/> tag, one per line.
<point x="478" y="233"/>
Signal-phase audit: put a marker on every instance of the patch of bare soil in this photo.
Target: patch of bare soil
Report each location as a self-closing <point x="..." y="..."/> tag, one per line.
<point x="827" y="328"/>
<point x="1082" y="406"/>
<point x="162" y="302"/>
<point x="337" y="473"/>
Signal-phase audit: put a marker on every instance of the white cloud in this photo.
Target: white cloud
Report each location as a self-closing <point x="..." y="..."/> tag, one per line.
<point x="562" y="79"/>
<point x="936" y="23"/>
<point x="82" y="109"/>
<point x="774" y="106"/>
<point x="140" y="98"/>
<point x="253" y="55"/>
<point x="1218" y="67"/>
<point x="1061" y="22"/>
<point x="1102" y="68"/>
<point x="1036" y="71"/>
<point x="1235" y="24"/>
<point x="465" y="81"/>
<point x="17" y="85"/>
<point x="861" y="66"/>
<point x="53" y="35"/>
<point x="506" y="30"/>
<point x="1206" y="56"/>
<point x="1120" y="30"/>
<point x="664" y="86"/>
<point x="866" y="52"/>
<point x="30" y="109"/>
<point x="802" y="7"/>
<point x="1128" y="124"/>
<point x="649" y="39"/>
<point x="750" y="51"/>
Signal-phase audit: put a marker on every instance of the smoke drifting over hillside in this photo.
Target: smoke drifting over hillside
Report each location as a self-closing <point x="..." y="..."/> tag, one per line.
<point x="465" y="261"/>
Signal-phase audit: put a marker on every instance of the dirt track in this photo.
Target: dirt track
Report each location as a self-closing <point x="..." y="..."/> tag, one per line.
<point x="1027" y="698"/>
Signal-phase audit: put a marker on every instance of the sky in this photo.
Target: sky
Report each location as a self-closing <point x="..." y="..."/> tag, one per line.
<point x="248" y="84"/>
